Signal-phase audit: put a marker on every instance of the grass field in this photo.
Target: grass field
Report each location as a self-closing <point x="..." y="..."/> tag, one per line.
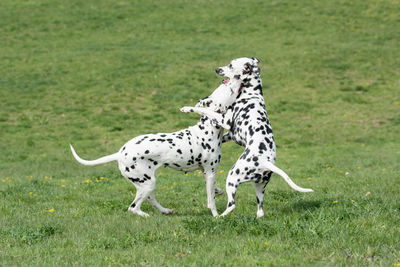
<point x="97" y="73"/>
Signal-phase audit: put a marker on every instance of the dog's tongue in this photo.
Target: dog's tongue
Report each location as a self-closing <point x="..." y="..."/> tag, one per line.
<point x="225" y="81"/>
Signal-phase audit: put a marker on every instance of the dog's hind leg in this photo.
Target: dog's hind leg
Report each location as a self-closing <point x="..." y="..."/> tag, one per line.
<point x="144" y="189"/>
<point x="152" y="199"/>
<point x="232" y="183"/>
<point x="260" y="188"/>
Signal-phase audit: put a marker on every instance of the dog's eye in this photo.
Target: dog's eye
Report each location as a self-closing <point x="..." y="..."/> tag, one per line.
<point x="230" y="66"/>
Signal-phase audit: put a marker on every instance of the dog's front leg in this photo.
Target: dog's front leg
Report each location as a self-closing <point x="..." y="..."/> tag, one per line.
<point x="210" y="186"/>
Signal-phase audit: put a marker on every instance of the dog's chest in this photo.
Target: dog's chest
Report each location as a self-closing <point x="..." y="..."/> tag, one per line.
<point x="251" y="126"/>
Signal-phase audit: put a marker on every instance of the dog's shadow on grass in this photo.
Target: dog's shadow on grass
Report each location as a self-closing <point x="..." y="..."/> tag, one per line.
<point x="187" y="213"/>
<point x="301" y="206"/>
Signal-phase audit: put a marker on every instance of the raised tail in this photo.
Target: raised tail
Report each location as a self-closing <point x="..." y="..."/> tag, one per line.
<point x="109" y="158"/>
<point x="273" y="168"/>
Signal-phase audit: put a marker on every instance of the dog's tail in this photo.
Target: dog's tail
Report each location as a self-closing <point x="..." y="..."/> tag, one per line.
<point x="273" y="168"/>
<point x="109" y="158"/>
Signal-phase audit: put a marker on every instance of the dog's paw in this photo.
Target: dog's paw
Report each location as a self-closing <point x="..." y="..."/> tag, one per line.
<point x="260" y="213"/>
<point x="187" y="109"/>
<point x="138" y="212"/>
<point x="219" y="191"/>
<point x="168" y="211"/>
<point x="214" y="213"/>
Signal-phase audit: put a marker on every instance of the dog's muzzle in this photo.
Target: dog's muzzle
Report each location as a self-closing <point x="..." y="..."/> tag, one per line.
<point x="219" y="71"/>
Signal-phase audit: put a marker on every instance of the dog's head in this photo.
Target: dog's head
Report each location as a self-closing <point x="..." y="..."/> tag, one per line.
<point x="240" y="68"/>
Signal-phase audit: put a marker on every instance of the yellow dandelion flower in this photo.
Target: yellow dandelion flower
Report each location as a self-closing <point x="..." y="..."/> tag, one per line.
<point x="30" y="177"/>
<point x="358" y="167"/>
<point x="266" y="244"/>
<point x="221" y="171"/>
<point x="335" y="202"/>
<point x="63" y="185"/>
<point x="340" y="171"/>
<point x="50" y="210"/>
<point x="309" y="178"/>
<point x="101" y="177"/>
<point x="46" y="177"/>
<point x="31" y="193"/>
<point x="62" y="181"/>
<point x="352" y="201"/>
<point x="164" y="187"/>
<point x="396" y="264"/>
<point x="186" y="174"/>
<point x="87" y="181"/>
<point x="397" y="103"/>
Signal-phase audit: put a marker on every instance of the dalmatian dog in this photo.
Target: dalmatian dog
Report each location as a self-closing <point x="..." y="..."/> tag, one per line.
<point x="249" y="127"/>
<point x="197" y="147"/>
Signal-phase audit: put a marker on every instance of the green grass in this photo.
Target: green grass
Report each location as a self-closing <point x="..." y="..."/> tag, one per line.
<point x="97" y="73"/>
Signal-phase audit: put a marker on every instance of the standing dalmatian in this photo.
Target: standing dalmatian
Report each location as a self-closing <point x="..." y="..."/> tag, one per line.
<point x="250" y="127"/>
<point x="197" y="147"/>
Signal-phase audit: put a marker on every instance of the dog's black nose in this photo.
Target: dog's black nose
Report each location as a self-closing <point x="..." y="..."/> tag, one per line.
<point x="218" y="70"/>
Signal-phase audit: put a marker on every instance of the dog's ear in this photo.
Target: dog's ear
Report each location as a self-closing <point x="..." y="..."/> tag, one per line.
<point x="256" y="61"/>
<point x="247" y="69"/>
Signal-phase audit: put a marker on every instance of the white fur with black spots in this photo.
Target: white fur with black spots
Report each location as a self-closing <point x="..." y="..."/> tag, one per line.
<point x="197" y="147"/>
<point x="248" y="126"/>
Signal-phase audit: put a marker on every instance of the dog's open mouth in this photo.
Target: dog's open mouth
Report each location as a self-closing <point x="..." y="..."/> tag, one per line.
<point x="225" y="81"/>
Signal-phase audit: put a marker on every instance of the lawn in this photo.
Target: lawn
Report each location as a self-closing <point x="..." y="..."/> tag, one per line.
<point x="97" y="73"/>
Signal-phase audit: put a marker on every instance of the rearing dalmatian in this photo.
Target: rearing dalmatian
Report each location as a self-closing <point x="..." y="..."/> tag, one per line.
<point x="250" y="127"/>
<point x="197" y="147"/>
